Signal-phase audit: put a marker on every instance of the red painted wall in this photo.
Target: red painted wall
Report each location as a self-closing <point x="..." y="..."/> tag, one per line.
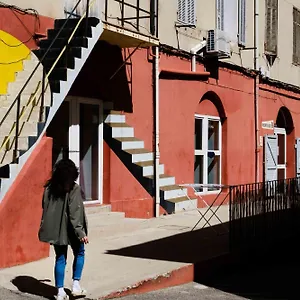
<point x="23" y="26"/>
<point x="21" y="209"/>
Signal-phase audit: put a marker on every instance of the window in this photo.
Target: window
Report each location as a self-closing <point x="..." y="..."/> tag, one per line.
<point x="296" y="36"/>
<point x="186" y="12"/>
<point x="242" y="22"/>
<point x="271" y="28"/>
<point x="207" y="165"/>
<point x="231" y="18"/>
<point x="220" y="14"/>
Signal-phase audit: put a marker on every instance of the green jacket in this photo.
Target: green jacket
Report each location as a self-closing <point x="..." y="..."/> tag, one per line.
<point x="63" y="218"/>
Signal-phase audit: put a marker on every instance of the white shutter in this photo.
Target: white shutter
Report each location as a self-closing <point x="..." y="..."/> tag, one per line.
<point x="186" y="12"/>
<point x="271" y="157"/>
<point x="242" y="22"/>
<point x="220" y="14"/>
<point x="298" y="157"/>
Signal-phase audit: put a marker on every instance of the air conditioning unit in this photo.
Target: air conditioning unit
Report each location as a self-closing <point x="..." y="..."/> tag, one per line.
<point x="218" y="44"/>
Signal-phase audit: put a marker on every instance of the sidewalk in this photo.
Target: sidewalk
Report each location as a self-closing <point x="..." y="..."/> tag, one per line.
<point x="126" y="254"/>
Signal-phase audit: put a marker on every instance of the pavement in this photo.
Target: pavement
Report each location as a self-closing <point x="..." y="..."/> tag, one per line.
<point x="127" y="254"/>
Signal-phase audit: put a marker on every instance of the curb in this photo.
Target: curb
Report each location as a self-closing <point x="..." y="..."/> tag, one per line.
<point x="176" y="277"/>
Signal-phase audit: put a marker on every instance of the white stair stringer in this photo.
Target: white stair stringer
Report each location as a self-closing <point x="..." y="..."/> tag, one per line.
<point x="58" y="99"/>
<point x="140" y="162"/>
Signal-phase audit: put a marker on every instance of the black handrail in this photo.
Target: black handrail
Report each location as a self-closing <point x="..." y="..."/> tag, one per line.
<point x="18" y="97"/>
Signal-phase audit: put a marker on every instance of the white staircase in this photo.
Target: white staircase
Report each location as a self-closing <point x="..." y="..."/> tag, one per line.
<point x="140" y="162"/>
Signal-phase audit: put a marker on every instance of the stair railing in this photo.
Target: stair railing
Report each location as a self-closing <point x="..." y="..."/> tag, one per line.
<point x="17" y="102"/>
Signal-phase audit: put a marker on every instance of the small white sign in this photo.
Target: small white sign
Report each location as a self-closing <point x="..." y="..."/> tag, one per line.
<point x="267" y="125"/>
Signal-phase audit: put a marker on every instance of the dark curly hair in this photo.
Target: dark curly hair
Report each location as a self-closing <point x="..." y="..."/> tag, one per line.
<point x="64" y="173"/>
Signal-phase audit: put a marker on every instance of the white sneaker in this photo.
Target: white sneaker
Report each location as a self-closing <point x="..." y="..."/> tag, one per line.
<point x="77" y="293"/>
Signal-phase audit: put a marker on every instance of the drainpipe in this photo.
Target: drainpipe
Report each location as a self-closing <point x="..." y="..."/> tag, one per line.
<point x="256" y="89"/>
<point x="194" y="52"/>
<point x="156" y="114"/>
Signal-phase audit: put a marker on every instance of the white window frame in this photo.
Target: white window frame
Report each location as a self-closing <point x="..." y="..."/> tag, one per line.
<point x="242" y="19"/>
<point x="204" y="152"/>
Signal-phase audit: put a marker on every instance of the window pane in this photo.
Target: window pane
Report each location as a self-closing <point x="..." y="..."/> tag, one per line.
<point x="213" y="171"/>
<point x="213" y="135"/>
<point x="198" y="171"/>
<point x="198" y="134"/>
<point x="281" y="148"/>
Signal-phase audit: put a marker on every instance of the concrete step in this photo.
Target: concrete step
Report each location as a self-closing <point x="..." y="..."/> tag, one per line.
<point x="8" y="100"/>
<point x="139" y="155"/>
<point x="181" y="204"/>
<point x="148" y="167"/>
<point x="173" y="191"/>
<point x="23" y="142"/>
<point x="91" y="209"/>
<point x="6" y="157"/>
<point x="27" y="129"/>
<point x="115" y="118"/>
<point x="33" y="113"/>
<point x="120" y="130"/>
<point x="131" y="143"/>
<point x="164" y="180"/>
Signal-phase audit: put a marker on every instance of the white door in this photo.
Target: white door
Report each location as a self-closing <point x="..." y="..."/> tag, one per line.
<point x="271" y="157"/>
<point x="86" y="145"/>
<point x="281" y="140"/>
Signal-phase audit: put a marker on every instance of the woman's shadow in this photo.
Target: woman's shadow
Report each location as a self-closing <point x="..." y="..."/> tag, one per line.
<point x="33" y="286"/>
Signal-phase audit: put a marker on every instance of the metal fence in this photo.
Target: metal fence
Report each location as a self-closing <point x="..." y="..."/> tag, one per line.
<point x="261" y="213"/>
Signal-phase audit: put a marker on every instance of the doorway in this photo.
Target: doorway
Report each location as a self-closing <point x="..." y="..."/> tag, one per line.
<point x="77" y="132"/>
<point x="86" y="145"/>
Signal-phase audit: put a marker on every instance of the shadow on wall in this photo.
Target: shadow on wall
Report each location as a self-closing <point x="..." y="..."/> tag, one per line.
<point x="98" y="78"/>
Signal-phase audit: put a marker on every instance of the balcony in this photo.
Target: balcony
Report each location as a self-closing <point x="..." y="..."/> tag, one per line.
<point x="130" y="23"/>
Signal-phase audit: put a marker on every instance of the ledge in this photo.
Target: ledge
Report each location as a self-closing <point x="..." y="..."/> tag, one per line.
<point x="183" y="75"/>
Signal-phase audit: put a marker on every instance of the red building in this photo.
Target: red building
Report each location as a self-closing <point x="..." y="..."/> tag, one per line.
<point x="107" y="123"/>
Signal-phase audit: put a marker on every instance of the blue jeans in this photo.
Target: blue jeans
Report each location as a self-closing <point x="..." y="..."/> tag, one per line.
<point x="61" y="261"/>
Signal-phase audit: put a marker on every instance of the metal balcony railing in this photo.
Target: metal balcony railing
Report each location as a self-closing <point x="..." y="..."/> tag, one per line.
<point x="132" y="13"/>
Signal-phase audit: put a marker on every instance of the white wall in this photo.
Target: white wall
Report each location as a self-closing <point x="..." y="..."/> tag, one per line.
<point x="186" y="38"/>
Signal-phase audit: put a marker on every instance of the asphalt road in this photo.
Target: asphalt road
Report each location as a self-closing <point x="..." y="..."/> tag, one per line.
<point x="191" y="291"/>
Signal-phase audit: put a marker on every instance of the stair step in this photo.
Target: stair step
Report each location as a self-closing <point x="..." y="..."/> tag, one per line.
<point x="172" y="191"/>
<point x="55" y="52"/>
<point x="91" y="209"/>
<point x="64" y="62"/>
<point x="115" y="118"/>
<point x="61" y="42"/>
<point x="133" y="144"/>
<point x="59" y="74"/>
<point x="121" y="130"/>
<point x="28" y="128"/>
<point x="164" y="180"/>
<point x="92" y="21"/>
<point x="66" y="32"/>
<point x="140" y="155"/>
<point x="24" y="142"/>
<point x="148" y="167"/>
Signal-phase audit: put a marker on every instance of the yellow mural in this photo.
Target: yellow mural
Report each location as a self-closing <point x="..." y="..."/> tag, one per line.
<point x="12" y="54"/>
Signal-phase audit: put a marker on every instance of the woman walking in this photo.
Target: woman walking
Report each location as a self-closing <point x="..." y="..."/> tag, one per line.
<point x="64" y="223"/>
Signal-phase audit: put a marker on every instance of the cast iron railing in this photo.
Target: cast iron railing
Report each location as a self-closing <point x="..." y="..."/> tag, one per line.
<point x="262" y="212"/>
<point x="20" y="112"/>
<point x="140" y="13"/>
